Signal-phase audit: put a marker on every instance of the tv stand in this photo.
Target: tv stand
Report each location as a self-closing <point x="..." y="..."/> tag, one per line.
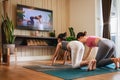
<point x="34" y="41"/>
<point x="42" y="48"/>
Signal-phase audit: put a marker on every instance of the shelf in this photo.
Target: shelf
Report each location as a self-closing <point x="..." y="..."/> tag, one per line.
<point x="21" y="46"/>
<point x="24" y="40"/>
<point x="34" y="37"/>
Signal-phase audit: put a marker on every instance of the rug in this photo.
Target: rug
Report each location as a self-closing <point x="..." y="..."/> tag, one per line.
<point x="67" y="73"/>
<point x="44" y="67"/>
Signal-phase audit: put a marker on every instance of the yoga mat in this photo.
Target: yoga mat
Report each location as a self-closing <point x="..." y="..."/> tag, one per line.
<point x="44" y="67"/>
<point x="67" y="73"/>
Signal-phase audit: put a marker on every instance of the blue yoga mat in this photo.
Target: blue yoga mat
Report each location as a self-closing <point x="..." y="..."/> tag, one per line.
<point x="68" y="73"/>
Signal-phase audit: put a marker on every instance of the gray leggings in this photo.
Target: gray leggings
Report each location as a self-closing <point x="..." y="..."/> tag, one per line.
<point x="105" y="51"/>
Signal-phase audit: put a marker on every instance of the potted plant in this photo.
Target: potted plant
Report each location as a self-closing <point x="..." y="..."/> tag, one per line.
<point x="52" y="33"/>
<point x="8" y="31"/>
<point x="72" y="34"/>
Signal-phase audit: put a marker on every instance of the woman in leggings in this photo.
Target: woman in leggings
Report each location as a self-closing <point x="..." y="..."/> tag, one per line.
<point x="106" y="49"/>
<point x="76" y="48"/>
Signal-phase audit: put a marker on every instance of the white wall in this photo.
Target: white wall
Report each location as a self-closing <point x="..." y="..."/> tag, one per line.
<point x="83" y="17"/>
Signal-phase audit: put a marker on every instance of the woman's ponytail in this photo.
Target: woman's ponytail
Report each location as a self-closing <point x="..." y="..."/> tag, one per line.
<point x="85" y="32"/>
<point x="81" y="34"/>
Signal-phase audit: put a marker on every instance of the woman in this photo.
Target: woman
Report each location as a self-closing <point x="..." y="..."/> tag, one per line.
<point x="76" y="49"/>
<point x="61" y="37"/>
<point x="105" y="51"/>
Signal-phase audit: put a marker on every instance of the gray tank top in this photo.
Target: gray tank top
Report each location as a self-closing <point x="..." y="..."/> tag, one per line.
<point x="64" y="45"/>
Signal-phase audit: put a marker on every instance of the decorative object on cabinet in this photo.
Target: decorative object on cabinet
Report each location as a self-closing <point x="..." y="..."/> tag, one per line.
<point x="52" y="33"/>
<point x="34" y="33"/>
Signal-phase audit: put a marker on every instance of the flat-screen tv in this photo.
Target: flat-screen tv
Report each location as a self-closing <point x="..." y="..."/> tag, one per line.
<point x="32" y="18"/>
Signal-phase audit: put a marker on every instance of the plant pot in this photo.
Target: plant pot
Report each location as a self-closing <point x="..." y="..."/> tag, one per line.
<point x="5" y="55"/>
<point x="10" y="46"/>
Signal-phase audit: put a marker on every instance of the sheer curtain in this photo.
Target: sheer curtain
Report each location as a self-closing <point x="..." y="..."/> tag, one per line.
<point x="117" y="40"/>
<point x="114" y="23"/>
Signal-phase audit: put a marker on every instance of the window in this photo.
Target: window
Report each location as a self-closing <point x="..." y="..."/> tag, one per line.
<point x="113" y="20"/>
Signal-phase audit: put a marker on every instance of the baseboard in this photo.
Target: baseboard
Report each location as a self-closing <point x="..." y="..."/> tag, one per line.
<point x="30" y="58"/>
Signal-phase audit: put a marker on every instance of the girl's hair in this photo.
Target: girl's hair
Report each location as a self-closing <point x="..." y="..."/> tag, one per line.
<point x="62" y="36"/>
<point x="81" y="34"/>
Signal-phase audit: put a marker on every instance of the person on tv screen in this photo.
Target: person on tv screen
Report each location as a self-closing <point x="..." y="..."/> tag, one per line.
<point x="31" y="21"/>
<point x="39" y="23"/>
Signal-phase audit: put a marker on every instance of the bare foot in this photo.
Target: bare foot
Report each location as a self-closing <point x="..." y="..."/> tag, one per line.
<point x="116" y="62"/>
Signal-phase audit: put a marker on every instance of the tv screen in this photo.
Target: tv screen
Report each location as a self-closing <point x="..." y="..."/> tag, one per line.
<point x="32" y="18"/>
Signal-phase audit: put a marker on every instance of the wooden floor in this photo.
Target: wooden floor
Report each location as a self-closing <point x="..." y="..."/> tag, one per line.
<point x="17" y="72"/>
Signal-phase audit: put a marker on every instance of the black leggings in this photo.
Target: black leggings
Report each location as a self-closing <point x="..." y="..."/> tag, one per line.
<point x="105" y="51"/>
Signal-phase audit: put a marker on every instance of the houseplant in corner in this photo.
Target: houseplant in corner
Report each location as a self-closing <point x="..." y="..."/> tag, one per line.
<point x="8" y="33"/>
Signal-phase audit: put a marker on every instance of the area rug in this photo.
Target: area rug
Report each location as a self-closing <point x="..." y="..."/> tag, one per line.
<point x="44" y="67"/>
<point x="67" y="73"/>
